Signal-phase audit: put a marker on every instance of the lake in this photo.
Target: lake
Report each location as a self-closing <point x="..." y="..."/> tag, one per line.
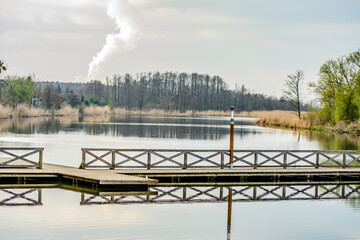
<point x="164" y="212"/>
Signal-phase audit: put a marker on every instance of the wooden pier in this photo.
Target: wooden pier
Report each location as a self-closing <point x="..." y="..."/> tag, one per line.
<point x="52" y="173"/>
<point x="137" y="169"/>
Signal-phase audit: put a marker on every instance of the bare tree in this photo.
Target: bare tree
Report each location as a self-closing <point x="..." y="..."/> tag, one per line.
<point x="292" y="94"/>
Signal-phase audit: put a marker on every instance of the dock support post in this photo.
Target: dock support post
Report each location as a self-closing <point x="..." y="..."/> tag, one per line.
<point x="285" y="161"/>
<point x="40" y="158"/>
<point x="148" y="160"/>
<point x="232" y="109"/>
<point x="344" y="160"/>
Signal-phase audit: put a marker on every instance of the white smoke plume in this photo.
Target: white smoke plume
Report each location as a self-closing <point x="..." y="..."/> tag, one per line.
<point x="129" y="22"/>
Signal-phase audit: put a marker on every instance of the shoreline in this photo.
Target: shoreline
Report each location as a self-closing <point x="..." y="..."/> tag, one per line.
<point x="355" y="132"/>
<point x="26" y="112"/>
<point x="274" y="119"/>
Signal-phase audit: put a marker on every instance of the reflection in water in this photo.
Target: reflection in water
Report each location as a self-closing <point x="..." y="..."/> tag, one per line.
<point x="124" y="213"/>
<point x="229" y="214"/>
<point x="20" y="197"/>
<point x="241" y="193"/>
<point x="202" y="128"/>
<point x="331" y="141"/>
<point x="170" y="194"/>
<point x="353" y="203"/>
<point x="129" y="126"/>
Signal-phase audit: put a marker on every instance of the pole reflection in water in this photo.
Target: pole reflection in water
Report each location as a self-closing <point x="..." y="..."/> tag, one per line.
<point x="229" y="214"/>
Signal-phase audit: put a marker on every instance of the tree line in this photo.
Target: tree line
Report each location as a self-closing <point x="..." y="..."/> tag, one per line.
<point x="170" y="91"/>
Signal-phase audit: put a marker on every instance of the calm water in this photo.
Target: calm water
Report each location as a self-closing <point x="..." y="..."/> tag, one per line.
<point x="63" y="214"/>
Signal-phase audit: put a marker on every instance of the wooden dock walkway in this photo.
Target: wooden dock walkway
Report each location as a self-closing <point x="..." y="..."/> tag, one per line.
<point x="97" y="178"/>
<point x="246" y="175"/>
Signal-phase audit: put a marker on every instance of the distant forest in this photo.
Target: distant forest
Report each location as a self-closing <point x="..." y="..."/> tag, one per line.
<point x="170" y="91"/>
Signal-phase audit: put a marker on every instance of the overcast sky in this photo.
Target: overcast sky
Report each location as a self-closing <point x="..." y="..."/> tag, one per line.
<point x="256" y="43"/>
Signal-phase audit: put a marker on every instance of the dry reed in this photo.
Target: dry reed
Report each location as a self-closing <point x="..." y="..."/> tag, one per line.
<point x="67" y="110"/>
<point x="5" y="111"/>
<point x="23" y="110"/>
<point x="278" y="118"/>
<point x="95" y="110"/>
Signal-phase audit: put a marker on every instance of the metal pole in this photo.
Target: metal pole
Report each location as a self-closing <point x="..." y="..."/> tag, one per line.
<point x="232" y="109"/>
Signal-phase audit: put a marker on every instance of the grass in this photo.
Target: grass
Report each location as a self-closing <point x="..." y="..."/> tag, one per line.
<point x="67" y="110"/>
<point x="95" y="110"/>
<point x="5" y="111"/>
<point x="277" y="118"/>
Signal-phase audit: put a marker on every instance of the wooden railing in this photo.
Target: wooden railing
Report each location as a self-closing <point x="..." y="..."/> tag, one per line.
<point x="12" y="157"/>
<point x="20" y="197"/>
<point x="245" y="193"/>
<point x="184" y="159"/>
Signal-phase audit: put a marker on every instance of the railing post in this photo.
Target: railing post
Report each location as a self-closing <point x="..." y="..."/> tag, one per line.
<point x="344" y="160"/>
<point x="40" y="158"/>
<point x="112" y="159"/>
<point x="222" y="160"/>
<point x="254" y="193"/>
<point x="185" y="160"/>
<point x="83" y="158"/>
<point x="82" y="201"/>
<point x="285" y="161"/>
<point x="149" y="160"/>
<point x="184" y="193"/>
<point x="255" y="160"/>
<point x="283" y="192"/>
<point x="39" y="196"/>
<point x="317" y="160"/>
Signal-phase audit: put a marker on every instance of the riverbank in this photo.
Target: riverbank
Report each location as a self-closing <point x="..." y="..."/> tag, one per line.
<point x="23" y="111"/>
<point x="309" y="121"/>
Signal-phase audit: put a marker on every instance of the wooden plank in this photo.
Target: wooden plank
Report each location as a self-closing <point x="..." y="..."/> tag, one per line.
<point x="102" y="177"/>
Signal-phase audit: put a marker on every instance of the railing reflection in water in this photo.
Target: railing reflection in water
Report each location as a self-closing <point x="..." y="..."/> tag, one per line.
<point x="195" y="194"/>
<point x="243" y="193"/>
<point x="20" y="197"/>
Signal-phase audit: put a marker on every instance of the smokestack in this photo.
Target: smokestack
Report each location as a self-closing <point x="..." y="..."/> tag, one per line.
<point x="130" y="25"/>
